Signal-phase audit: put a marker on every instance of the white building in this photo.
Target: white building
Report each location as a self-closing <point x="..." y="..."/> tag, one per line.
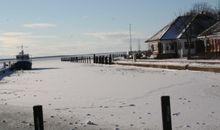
<point x="171" y="41"/>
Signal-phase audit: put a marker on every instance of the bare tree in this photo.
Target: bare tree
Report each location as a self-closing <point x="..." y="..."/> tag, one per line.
<point x="202" y="7"/>
<point x="198" y="8"/>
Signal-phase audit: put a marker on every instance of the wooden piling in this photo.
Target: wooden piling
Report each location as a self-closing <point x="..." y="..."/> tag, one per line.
<point x="94" y="58"/>
<point x="166" y="113"/>
<point x="110" y="59"/>
<point x="106" y="60"/>
<point x="38" y="118"/>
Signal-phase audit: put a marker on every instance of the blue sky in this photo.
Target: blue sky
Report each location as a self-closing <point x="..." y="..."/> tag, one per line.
<point x="54" y="27"/>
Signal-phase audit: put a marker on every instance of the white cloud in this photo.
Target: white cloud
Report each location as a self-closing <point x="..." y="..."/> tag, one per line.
<point x="9" y="41"/>
<point x="15" y="34"/>
<point x="109" y="35"/>
<point x="118" y="40"/>
<point x="39" y="25"/>
<point x="116" y="35"/>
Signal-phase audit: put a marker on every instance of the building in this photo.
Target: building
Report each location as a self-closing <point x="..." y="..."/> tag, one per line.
<point x="171" y="41"/>
<point x="211" y="38"/>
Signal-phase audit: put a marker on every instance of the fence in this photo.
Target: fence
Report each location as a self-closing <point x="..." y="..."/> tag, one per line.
<point x="101" y="59"/>
<point x="165" y="107"/>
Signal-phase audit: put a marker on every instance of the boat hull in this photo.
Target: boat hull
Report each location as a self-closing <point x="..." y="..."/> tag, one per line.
<point x="22" y="65"/>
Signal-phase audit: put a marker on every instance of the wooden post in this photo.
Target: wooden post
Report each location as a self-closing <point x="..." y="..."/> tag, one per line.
<point x="106" y="60"/>
<point x="103" y="59"/>
<point x="94" y="58"/>
<point x="110" y="59"/>
<point x="166" y="113"/>
<point x="100" y="58"/>
<point x="38" y="118"/>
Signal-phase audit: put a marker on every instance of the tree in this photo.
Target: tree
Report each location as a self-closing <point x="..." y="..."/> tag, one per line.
<point x="202" y="8"/>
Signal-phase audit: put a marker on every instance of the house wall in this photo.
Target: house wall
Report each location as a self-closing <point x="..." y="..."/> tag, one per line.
<point x="154" y="47"/>
<point x="214" y="45"/>
<point x="171" y="46"/>
<point x="168" y="47"/>
<point x="183" y="47"/>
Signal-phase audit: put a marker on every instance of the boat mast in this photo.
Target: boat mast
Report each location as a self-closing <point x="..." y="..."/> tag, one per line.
<point x="22" y="49"/>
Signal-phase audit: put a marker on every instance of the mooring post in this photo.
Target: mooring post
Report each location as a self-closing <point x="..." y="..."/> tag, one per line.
<point x="106" y="60"/>
<point x="110" y="59"/>
<point x="103" y="59"/>
<point x="94" y="58"/>
<point x="99" y="60"/>
<point x="38" y="117"/>
<point x="166" y="113"/>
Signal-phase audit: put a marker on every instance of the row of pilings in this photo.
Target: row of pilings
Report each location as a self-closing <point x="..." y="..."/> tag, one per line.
<point x="102" y="59"/>
<point x="90" y="59"/>
<point x="77" y="59"/>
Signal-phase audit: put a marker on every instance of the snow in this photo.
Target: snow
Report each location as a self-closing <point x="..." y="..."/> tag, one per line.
<point x="108" y="97"/>
<point x="176" y="62"/>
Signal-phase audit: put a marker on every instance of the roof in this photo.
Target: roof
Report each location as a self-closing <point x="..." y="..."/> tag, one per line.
<point x="172" y="30"/>
<point x="214" y="30"/>
<point x="177" y="28"/>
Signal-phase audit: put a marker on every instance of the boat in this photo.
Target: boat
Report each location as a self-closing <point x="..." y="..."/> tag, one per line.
<point x="23" y="61"/>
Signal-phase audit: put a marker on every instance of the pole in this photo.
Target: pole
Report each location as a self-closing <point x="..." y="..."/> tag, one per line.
<point x="166" y="113"/>
<point x="130" y="38"/>
<point x="38" y="118"/>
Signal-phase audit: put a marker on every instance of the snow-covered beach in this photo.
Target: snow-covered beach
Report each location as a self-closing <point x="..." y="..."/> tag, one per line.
<point x="107" y="97"/>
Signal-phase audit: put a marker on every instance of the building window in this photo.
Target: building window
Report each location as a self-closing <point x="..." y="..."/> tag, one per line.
<point x="152" y="47"/>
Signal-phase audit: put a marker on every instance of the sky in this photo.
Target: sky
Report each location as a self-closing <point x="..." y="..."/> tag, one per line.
<point x="66" y="27"/>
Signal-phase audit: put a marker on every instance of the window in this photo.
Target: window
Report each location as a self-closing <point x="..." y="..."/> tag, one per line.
<point x="152" y="47"/>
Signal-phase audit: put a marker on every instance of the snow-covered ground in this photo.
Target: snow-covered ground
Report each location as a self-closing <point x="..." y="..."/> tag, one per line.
<point x="102" y="97"/>
<point x="177" y="62"/>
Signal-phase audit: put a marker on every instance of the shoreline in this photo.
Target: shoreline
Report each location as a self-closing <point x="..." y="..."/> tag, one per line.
<point x="192" y="66"/>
